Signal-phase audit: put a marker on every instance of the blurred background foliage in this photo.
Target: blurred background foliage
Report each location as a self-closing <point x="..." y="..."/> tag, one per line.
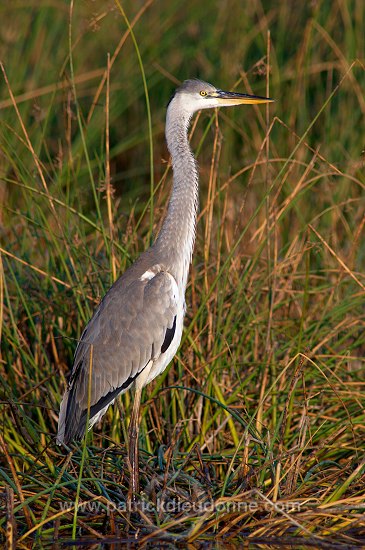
<point x="312" y="46"/>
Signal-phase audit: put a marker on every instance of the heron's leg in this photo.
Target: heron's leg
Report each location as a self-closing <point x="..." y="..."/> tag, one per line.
<point x="133" y="444"/>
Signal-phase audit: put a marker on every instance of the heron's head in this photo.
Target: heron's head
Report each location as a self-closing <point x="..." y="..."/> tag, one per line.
<point x="194" y="95"/>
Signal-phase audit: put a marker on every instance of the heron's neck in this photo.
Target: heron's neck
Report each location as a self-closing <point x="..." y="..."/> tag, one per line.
<point x="176" y="239"/>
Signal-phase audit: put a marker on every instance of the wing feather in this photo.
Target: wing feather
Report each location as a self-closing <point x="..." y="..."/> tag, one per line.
<point x="132" y="326"/>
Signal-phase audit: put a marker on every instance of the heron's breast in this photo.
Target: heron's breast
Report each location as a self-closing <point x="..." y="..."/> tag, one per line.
<point x="160" y="364"/>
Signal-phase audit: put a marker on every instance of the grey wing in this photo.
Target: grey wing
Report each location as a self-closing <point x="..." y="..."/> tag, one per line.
<point x="133" y="325"/>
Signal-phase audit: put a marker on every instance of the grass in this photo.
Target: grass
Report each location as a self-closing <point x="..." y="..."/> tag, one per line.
<point x="256" y="430"/>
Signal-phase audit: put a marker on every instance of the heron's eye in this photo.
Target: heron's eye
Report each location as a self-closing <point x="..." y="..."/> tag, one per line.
<point x="203" y="93"/>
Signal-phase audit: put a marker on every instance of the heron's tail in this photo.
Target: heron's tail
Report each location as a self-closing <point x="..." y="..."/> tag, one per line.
<point x="61" y="433"/>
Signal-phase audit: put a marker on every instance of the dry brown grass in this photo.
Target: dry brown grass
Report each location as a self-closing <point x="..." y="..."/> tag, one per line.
<point x="256" y="433"/>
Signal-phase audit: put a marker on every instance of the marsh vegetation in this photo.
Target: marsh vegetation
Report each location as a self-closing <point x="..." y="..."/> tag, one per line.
<point x="256" y="430"/>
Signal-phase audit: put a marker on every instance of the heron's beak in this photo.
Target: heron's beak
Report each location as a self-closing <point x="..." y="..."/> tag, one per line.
<point x="232" y="98"/>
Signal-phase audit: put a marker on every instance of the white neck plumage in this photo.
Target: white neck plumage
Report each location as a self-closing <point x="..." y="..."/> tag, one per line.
<point x="177" y="236"/>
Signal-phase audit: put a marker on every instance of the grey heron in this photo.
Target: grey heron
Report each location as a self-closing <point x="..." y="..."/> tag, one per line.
<point x="137" y="327"/>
